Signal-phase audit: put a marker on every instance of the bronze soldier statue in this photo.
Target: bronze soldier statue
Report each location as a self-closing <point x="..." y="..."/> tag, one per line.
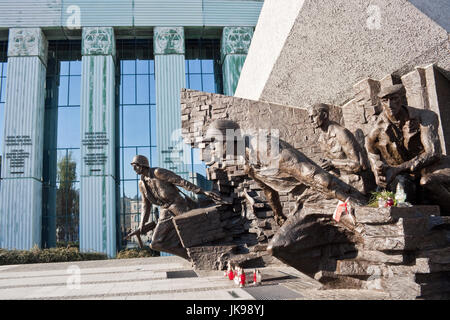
<point x="159" y="187"/>
<point x="278" y="167"/>
<point x="343" y="156"/>
<point x="404" y="148"/>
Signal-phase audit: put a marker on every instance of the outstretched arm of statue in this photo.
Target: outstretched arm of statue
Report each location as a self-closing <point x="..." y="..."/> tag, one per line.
<point x="175" y="179"/>
<point x="171" y="177"/>
<point x="348" y="165"/>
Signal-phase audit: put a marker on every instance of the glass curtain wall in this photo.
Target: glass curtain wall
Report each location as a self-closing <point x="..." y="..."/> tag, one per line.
<point x="3" y="69"/>
<point x="62" y="145"/>
<point x="137" y="116"/>
<point x="137" y="128"/>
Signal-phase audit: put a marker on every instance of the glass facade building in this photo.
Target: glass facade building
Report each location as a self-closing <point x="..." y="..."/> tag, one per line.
<point x="93" y="98"/>
<point x="61" y="169"/>
<point x="137" y="114"/>
<point x="137" y="124"/>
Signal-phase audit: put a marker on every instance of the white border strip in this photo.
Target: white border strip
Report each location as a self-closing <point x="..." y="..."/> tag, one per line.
<point x="274" y="26"/>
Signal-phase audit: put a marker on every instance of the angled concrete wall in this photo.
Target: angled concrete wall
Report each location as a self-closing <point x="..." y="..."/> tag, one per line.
<point x="334" y="44"/>
<point x="274" y="25"/>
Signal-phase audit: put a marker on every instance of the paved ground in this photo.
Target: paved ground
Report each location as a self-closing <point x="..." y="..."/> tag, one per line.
<point x="161" y="278"/>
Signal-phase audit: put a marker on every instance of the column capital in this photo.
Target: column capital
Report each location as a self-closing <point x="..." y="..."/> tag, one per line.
<point x="168" y="40"/>
<point x="98" y="41"/>
<point x="27" y="42"/>
<point x="236" y="40"/>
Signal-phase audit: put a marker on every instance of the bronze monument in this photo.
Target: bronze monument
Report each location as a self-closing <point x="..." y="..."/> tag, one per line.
<point x="399" y="249"/>
<point x="404" y="148"/>
<point x="158" y="186"/>
<point x="342" y="154"/>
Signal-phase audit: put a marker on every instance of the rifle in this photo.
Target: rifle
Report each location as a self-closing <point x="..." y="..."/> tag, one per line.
<point x="145" y="229"/>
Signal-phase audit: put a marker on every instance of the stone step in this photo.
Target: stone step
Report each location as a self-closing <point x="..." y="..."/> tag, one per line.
<point x="386" y="215"/>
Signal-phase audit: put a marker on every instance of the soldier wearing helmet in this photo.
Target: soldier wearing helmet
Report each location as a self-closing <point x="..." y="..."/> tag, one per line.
<point x="159" y="187"/>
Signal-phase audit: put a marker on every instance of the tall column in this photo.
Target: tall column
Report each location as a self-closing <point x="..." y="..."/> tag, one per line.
<point x="21" y="189"/>
<point x="170" y="78"/>
<point x="97" y="188"/>
<point x="234" y="49"/>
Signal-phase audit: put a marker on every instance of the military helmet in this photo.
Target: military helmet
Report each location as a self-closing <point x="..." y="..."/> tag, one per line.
<point x="224" y="124"/>
<point x="220" y="127"/>
<point x="141" y="160"/>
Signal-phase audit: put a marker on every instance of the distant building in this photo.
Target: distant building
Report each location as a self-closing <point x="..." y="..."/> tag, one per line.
<point x="85" y="86"/>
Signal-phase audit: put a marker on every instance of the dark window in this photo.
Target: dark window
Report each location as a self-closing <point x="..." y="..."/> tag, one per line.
<point x="62" y="145"/>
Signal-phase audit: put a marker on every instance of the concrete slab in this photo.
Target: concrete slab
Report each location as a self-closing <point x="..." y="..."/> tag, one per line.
<point x="146" y="279"/>
<point x="86" y="279"/>
<point x="90" y="271"/>
<point x="136" y="262"/>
